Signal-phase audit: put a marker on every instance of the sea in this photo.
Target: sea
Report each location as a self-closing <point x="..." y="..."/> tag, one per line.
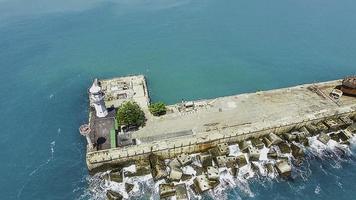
<point x="50" y="52"/>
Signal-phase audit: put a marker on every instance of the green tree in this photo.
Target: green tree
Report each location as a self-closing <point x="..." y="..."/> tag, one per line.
<point x="158" y="108"/>
<point x="130" y="114"/>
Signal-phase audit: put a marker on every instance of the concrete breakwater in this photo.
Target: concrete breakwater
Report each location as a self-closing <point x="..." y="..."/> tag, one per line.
<point x="170" y="149"/>
<point x="188" y="176"/>
<point x="201" y="135"/>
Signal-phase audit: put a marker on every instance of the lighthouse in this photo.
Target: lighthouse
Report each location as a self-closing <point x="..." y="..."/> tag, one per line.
<point x="97" y="98"/>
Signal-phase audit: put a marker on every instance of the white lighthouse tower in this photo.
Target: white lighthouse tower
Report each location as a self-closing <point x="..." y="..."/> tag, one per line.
<point x="97" y="98"/>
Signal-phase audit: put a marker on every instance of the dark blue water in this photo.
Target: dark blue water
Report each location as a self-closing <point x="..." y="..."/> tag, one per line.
<point x="51" y="51"/>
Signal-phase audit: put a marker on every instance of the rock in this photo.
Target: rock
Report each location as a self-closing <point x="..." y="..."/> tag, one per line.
<point x="344" y="135"/>
<point x="313" y="129"/>
<point x="140" y="171"/>
<point x="272" y="154"/>
<point x="243" y="146"/>
<point x="203" y="184"/>
<point x="241" y="160"/>
<point x="181" y="192"/>
<point x="322" y="127"/>
<point x="128" y="187"/>
<point x="284" y="147"/>
<point x="302" y="138"/>
<point x="253" y="154"/>
<point x="346" y="119"/>
<point x="331" y="124"/>
<point x="174" y="163"/>
<point x="283" y="168"/>
<point x="112" y="195"/>
<point x="158" y="167"/>
<point x="289" y="137"/>
<point x="213" y="173"/>
<point x="116" y="176"/>
<point x="297" y="152"/>
<point x="351" y="128"/>
<point x="255" y="167"/>
<point x="199" y="170"/>
<point x="234" y="171"/>
<point x="175" y="174"/>
<point x="184" y="159"/>
<point x="335" y="137"/>
<point x="270" y="168"/>
<point x="166" y="190"/>
<point x="275" y="139"/>
<point x="220" y="161"/>
<point x="220" y="150"/>
<point x="186" y="177"/>
<point x="223" y="149"/>
<point x="256" y="142"/>
<point x="230" y="161"/>
<point x="305" y="131"/>
<point x="206" y="159"/>
<point x="324" y="138"/>
<point x="267" y="142"/>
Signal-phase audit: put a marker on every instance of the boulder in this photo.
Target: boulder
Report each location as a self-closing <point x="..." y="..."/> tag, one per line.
<point x="174" y="163"/>
<point x="206" y="159"/>
<point x="289" y="137"/>
<point x="128" y="187"/>
<point x="305" y="131"/>
<point x="213" y="173"/>
<point x="202" y="183"/>
<point x="116" y="176"/>
<point x="221" y="161"/>
<point x="199" y="170"/>
<point x="324" y="138"/>
<point x="272" y="154"/>
<point x="175" y="174"/>
<point x="186" y="177"/>
<point x="297" y="152"/>
<point x="181" y="192"/>
<point x="347" y="120"/>
<point x="267" y="142"/>
<point x="344" y="135"/>
<point x="231" y="161"/>
<point x="234" y="171"/>
<point x="220" y="150"/>
<point x="331" y="124"/>
<point x="112" y="195"/>
<point x="243" y="146"/>
<point x="275" y="139"/>
<point x="312" y="128"/>
<point x="321" y="127"/>
<point x="184" y="159"/>
<point x="158" y="167"/>
<point x="284" y="147"/>
<point x="167" y="190"/>
<point x="256" y="142"/>
<point x="351" y="128"/>
<point x="284" y="168"/>
<point x="241" y="160"/>
<point x="253" y="154"/>
<point x="270" y="168"/>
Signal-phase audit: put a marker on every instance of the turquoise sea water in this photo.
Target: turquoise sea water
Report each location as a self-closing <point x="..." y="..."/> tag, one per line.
<point x="51" y="51"/>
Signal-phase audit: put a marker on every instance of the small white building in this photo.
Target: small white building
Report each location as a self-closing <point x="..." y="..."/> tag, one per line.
<point x="97" y="99"/>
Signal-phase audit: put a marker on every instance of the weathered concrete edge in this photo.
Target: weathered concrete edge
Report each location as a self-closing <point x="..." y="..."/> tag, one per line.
<point x="200" y="143"/>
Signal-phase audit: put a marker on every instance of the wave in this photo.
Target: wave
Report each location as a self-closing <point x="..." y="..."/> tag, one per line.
<point x="331" y="154"/>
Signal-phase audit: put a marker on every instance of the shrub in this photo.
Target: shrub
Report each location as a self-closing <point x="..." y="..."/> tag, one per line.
<point x="130" y="114"/>
<point x="158" y="109"/>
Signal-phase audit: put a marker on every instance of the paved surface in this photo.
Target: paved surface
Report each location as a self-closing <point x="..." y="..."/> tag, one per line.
<point x="231" y="116"/>
<point x="244" y="109"/>
<point x="101" y="130"/>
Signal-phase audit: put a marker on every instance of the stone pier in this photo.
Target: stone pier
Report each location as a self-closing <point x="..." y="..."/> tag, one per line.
<point x="196" y="126"/>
